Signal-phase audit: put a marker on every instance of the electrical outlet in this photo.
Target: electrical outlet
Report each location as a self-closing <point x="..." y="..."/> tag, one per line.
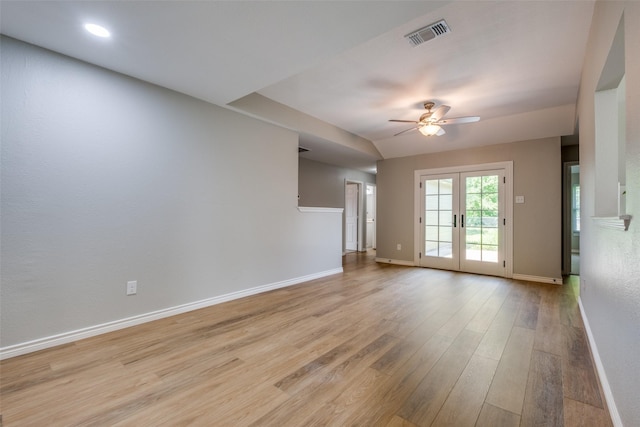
<point x="132" y="287"/>
<point x="399" y="246"/>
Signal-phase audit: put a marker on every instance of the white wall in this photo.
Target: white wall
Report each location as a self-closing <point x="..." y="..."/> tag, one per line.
<point x="107" y="179"/>
<point x="609" y="265"/>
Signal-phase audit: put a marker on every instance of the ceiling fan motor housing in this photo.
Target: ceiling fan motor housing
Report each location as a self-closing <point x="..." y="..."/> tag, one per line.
<point x="425" y="117"/>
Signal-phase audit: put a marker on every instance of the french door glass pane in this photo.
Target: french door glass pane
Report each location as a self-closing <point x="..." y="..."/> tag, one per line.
<point x="445" y="234"/>
<point x="474" y="252"/>
<point x="431" y="233"/>
<point x="489" y="236"/>
<point x="445" y="202"/>
<point x="431" y="248"/>
<point x="438" y="215"/>
<point x="481" y="212"/>
<point x="431" y="187"/>
<point x="490" y="184"/>
<point x="446" y="186"/>
<point x="446" y="217"/>
<point x="445" y="249"/>
<point x="431" y="218"/>
<point x="474" y="185"/>
<point x="490" y="201"/>
<point x="474" y="236"/>
<point x="474" y="201"/>
<point x="490" y="253"/>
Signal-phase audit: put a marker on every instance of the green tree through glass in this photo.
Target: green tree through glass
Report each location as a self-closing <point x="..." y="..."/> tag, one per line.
<point x="482" y="233"/>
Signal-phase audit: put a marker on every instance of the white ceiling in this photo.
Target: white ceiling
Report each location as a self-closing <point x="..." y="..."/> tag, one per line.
<point x="516" y="64"/>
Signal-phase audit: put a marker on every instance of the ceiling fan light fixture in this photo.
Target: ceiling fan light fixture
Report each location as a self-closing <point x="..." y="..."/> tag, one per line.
<point x="429" y="123"/>
<point x="429" y="129"/>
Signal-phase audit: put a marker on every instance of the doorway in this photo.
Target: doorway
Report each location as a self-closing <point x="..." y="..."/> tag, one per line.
<point x="352" y="215"/>
<point x="464" y="219"/>
<point x="370" y="190"/>
<point x="572" y="217"/>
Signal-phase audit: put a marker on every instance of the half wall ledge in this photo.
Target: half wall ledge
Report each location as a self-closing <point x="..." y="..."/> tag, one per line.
<point x="307" y="209"/>
<point x="621" y="222"/>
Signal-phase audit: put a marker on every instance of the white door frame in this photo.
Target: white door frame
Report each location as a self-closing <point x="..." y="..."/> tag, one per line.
<point x="417" y="197"/>
<point x="360" y="185"/>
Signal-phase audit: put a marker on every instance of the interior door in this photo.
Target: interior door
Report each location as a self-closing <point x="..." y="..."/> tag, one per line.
<point x="462" y="222"/>
<point x="371" y="216"/>
<point x="351" y="217"/>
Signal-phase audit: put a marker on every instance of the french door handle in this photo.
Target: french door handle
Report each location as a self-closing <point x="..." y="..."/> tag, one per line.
<point x="461" y="220"/>
<point x="454" y="221"/>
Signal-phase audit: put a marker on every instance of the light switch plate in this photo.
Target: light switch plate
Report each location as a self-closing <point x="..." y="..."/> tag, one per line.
<point x="132" y="287"/>
<point x="519" y="199"/>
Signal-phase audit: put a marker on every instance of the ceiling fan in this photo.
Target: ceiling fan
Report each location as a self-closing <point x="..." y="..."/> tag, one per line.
<point x="430" y="122"/>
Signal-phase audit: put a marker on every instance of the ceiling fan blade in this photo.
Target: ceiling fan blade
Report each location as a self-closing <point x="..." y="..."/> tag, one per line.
<point x="404" y="121"/>
<point x="440" y="112"/>
<point x="458" y="120"/>
<point x="406" y="130"/>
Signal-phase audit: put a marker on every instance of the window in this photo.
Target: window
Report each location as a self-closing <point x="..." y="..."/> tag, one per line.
<point x="575" y="208"/>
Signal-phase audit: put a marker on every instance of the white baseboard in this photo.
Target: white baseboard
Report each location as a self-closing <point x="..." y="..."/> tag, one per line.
<point x="395" y="261"/>
<point x="606" y="388"/>
<point x="554" y="280"/>
<point x="67" y="337"/>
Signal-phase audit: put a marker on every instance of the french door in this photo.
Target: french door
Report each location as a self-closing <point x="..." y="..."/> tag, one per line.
<point x="462" y="221"/>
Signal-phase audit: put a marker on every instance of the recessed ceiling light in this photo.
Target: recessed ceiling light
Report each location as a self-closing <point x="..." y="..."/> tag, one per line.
<point x="97" y="30"/>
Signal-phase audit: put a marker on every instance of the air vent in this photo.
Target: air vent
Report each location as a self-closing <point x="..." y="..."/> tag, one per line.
<point x="302" y="150"/>
<point x="427" y="33"/>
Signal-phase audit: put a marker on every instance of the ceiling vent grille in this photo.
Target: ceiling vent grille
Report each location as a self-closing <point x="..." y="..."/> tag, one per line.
<point x="427" y="33"/>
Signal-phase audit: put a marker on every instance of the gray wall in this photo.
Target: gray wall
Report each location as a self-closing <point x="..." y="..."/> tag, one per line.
<point x="322" y="185"/>
<point x="107" y="179"/>
<point x="610" y="267"/>
<point x="537" y="223"/>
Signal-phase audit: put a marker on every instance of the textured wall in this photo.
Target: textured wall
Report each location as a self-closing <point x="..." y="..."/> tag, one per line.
<point x="610" y="267"/>
<point x="107" y="179"/>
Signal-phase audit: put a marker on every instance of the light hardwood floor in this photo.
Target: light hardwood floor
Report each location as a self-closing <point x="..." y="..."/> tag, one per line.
<point x="379" y="345"/>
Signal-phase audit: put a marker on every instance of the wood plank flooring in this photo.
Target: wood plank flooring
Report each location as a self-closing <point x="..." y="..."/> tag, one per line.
<point x="379" y="345"/>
